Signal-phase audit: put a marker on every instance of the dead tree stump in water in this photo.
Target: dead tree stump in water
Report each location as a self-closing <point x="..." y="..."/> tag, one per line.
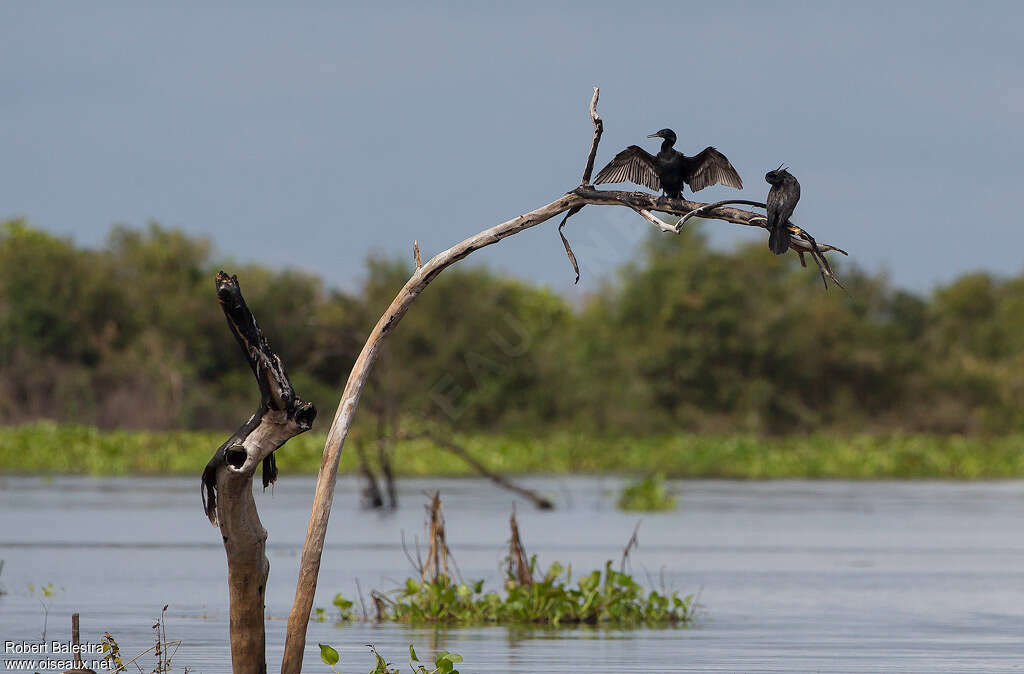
<point x="227" y="480"/>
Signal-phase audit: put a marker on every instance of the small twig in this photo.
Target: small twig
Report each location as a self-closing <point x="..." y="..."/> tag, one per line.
<point x="416" y="564"/>
<point x="656" y="221"/>
<point x="631" y="544"/>
<point x="359" y="591"/>
<point x="587" y="171"/>
<point x="46" y="617"/>
<point x="565" y="242"/>
<point x="416" y="253"/>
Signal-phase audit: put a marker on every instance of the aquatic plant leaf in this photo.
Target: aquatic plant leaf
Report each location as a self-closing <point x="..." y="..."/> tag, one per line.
<point x="329" y="655"/>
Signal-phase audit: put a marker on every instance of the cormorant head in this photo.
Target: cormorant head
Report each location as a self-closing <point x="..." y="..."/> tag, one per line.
<point x="777" y="176"/>
<point x="667" y="134"/>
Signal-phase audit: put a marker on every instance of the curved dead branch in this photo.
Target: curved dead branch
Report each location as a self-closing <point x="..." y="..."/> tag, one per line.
<point x="570" y="203"/>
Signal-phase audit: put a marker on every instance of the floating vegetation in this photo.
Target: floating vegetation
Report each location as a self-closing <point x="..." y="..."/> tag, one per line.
<point x="608" y="597"/>
<point x="647" y="495"/>
<point x="529" y="596"/>
<point x="444" y="662"/>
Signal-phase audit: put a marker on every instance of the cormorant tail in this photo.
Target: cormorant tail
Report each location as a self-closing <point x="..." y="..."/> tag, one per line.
<point x="778" y="239"/>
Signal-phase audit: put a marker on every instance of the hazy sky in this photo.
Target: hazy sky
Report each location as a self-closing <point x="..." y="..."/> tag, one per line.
<point x="310" y="135"/>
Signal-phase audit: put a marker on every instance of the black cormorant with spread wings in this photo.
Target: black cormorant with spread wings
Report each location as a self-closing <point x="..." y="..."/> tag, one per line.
<point x="669" y="169"/>
<point x="782" y="198"/>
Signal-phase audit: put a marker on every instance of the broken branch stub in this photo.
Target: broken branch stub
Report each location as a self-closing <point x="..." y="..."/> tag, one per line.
<point x="518" y="562"/>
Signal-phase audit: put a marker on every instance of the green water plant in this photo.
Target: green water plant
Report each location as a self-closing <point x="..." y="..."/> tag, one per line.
<point x="599" y="597"/>
<point x="444" y="661"/>
<point x="647" y="495"/>
<point x="44" y="594"/>
<point x="529" y="596"/>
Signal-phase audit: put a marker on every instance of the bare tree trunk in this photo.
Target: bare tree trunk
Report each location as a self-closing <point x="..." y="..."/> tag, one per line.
<point x="227" y="480"/>
<point x="572" y="202"/>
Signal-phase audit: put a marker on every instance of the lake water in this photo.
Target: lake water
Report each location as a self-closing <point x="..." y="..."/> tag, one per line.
<point x="793" y="576"/>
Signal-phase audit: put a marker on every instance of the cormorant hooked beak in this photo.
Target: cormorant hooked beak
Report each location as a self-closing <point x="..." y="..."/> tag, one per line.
<point x="656" y="135"/>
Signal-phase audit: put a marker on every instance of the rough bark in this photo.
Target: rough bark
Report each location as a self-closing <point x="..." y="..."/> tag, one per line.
<point x="227" y="480"/>
<point x="570" y="203"/>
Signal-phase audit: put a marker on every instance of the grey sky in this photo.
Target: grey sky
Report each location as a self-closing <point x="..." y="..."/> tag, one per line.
<point x="277" y="130"/>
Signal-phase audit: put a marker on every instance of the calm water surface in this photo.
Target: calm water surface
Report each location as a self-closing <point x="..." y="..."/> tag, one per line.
<point x="793" y="576"/>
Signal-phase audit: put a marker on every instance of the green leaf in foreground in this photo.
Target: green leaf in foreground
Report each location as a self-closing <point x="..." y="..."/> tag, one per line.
<point x="329" y="655"/>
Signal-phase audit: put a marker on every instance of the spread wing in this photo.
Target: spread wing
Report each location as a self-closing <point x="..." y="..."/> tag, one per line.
<point x="634" y="164"/>
<point x="781" y="201"/>
<point x="710" y="167"/>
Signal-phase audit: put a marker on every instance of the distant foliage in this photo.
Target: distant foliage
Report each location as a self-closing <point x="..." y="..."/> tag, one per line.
<point x="685" y="338"/>
<point x="647" y="495"/>
<point x="29" y="448"/>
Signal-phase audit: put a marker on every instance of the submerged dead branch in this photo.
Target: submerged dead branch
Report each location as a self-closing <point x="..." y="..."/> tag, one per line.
<point x="632" y="544"/>
<point x="541" y="502"/>
<point x="372" y="497"/>
<point x="438" y="552"/>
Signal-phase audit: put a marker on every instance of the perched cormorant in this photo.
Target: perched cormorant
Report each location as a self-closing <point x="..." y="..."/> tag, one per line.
<point x="669" y="169"/>
<point x="782" y="198"/>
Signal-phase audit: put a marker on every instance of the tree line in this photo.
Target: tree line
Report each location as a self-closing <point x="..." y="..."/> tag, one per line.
<point x="687" y="337"/>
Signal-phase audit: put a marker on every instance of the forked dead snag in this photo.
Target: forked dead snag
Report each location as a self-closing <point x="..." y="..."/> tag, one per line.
<point x="227" y="480"/>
